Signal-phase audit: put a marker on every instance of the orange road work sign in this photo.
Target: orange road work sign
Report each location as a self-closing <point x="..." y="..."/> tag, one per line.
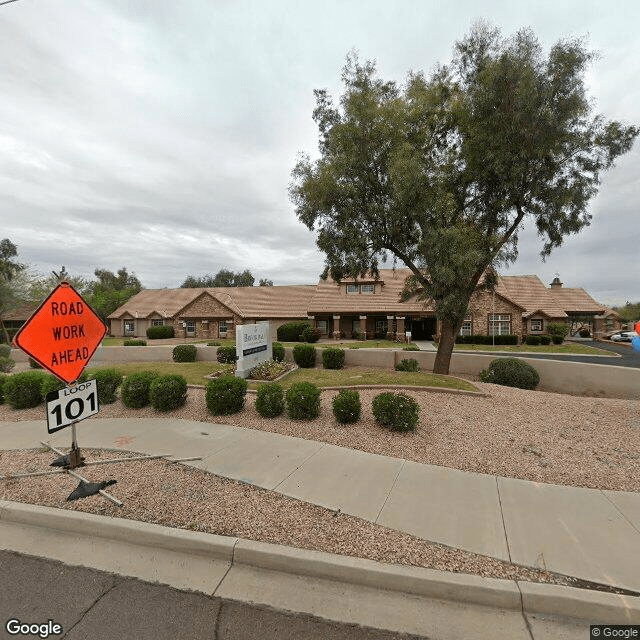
<point x="62" y="334"/>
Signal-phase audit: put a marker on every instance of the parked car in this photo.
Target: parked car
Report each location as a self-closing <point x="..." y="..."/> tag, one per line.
<point x="624" y="336"/>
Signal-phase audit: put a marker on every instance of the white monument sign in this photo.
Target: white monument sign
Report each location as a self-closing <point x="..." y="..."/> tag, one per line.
<point x="253" y="346"/>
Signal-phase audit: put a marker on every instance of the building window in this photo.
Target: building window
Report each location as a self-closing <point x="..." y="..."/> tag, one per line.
<point x="157" y="323"/>
<point x="321" y="325"/>
<point x="129" y="327"/>
<point x="536" y="325"/>
<point x="467" y="327"/>
<point x="222" y="326"/>
<point x="352" y="288"/>
<point x="381" y="327"/>
<point x="356" y="325"/>
<point x="499" y="324"/>
<point x="191" y="327"/>
<point x="367" y="288"/>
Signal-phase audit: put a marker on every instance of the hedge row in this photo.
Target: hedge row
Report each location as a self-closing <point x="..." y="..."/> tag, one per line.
<point x="482" y="339"/>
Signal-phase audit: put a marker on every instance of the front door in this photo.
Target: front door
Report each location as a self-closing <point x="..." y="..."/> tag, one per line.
<point x="191" y="329"/>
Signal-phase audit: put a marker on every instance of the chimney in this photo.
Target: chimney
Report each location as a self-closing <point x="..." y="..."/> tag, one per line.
<point x="556" y="284"/>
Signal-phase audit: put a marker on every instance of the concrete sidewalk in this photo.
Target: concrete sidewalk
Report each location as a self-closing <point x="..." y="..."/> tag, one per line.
<point x="585" y="533"/>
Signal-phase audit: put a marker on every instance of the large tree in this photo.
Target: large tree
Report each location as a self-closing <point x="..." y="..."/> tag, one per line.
<point x="440" y="174"/>
<point x="111" y="290"/>
<point x="11" y="287"/>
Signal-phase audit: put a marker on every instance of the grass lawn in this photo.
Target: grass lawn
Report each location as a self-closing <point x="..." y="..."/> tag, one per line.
<point x="195" y="373"/>
<point x="552" y="348"/>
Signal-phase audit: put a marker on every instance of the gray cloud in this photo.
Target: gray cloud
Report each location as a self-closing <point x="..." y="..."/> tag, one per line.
<point x="161" y="136"/>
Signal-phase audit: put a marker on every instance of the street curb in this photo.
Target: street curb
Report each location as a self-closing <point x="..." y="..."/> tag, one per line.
<point x="531" y="598"/>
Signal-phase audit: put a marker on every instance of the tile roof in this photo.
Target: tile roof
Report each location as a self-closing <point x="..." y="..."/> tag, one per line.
<point x="329" y="299"/>
<point x="247" y="302"/>
<point x="530" y="293"/>
<point x="576" y="300"/>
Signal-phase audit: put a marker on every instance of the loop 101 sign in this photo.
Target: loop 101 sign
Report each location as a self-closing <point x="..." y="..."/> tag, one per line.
<point x="62" y="334"/>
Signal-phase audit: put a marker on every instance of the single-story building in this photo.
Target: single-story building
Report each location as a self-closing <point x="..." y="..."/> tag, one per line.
<point x="367" y="307"/>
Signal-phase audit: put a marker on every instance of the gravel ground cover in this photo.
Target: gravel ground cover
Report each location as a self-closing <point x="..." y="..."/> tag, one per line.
<point x="180" y="496"/>
<point x="532" y="435"/>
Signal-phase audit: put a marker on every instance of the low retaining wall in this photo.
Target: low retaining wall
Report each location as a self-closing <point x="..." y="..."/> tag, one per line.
<point x="555" y="375"/>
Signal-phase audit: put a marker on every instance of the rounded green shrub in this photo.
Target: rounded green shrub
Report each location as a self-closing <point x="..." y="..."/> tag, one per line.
<point x="163" y="331"/>
<point x="397" y="411"/>
<point x="545" y="340"/>
<point x="5" y="350"/>
<point x="346" y="406"/>
<point x="557" y="339"/>
<point x="213" y="343"/>
<point x="107" y="381"/>
<point x="410" y="364"/>
<point x="511" y="372"/>
<point x="185" y="353"/>
<point x="50" y="383"/>
<point x="135" y="389"/>
<point x="277" y="352"/>
<point x="168" y="392"/>
<point x="303" y="401"/>
<point x="225" y="395"/>
<point x="411" y="347"/>
<point x="304" y="355"/>
<point x="3" y="377"/>
<point x="270" y="400"/>
<point x="310" y="334"/>
<point x="134" y="342"/>
<point x="333" y="358"/>
<point x="6" y="364"/>
<point x="22" y="390"/>
<point x="290" y="331"/>
<point x="534" y="341"/>
<point x="226" y="355"/>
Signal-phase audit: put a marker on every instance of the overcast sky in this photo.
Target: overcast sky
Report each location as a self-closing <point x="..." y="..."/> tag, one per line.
<point x="160" y="136"/>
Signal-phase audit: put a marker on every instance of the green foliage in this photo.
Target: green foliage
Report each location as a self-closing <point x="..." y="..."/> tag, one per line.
<point x="213" y="343"/>
<point x="556" y="339"/>
<point x="277" y="352"/>
<point x="397" y="411"/>
<point x="545" y="340"/>
<point x="135" y="389"/>
<point x="225" y="395"/>
<point x="111" y="290"/>
<point x="533" y="341"/>
<point x="292" y="331"/>
<point x="34" y="364"/>
<point x="163" y="331"/>
<point x="50" y="383"/>
<point x="482" y="339"/>
<point x="270" y="400"/>
<point x="134" y="342"/>
<point x="224" y="278"/>
<point x="3" y="377"/>
<point x="346" y="406"/>
<point x="226" y="355"/>
<point x="558" y="329"/>
<point x="630" y="313"/>
<point x="511" y="372"/>
<point x="107" y="381"/>
<point x="6" y="364"/>
<point x="185" y="353"/>
<point x="23" y="390"/>
<point x="168" y="392"/>
<point x="411" y="347"/>
<point x="443" y="171"/>
<point x="584" y="333"/>
<point x="310" y="334"/>
<point x="303" y="401"/>
<point x="410" y="364"/>
<point x="5" y="351"/>
<point x="304" y="355"/>
<point x="333" y="358"/>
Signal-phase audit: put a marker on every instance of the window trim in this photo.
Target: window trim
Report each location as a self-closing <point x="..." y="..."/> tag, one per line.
<point x="499" y="321"/>
<point x="368" y="289"/>
<point x="538" y="321"/>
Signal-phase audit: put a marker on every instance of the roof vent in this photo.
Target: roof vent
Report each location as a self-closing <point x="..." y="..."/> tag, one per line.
<point x="556" y="284"/>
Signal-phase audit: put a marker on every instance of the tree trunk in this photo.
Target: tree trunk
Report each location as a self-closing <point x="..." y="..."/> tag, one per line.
<point x="445" y="347"/>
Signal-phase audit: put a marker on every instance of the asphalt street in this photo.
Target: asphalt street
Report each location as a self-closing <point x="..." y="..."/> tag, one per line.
<point x="87" y="603"/>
